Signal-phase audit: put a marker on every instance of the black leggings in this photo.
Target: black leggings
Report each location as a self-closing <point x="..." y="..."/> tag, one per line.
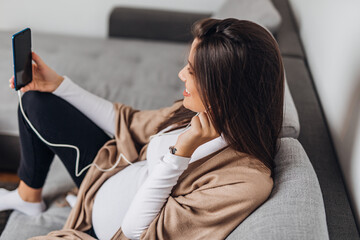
<point x="57" y="121"/>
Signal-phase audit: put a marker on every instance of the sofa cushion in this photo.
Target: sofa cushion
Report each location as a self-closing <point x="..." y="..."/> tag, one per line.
<point x="261" y="12"/>
<point x="295" y="208"/>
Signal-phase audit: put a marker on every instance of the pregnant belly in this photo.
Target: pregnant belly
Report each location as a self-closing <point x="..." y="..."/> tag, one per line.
<point x="114" y="198"/>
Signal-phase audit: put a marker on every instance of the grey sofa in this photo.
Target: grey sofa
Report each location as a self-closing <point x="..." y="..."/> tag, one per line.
<point x="309" y="198"/>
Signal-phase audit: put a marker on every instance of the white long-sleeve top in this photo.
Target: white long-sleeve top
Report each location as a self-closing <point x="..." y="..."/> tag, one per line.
<point x="147" y="184"/>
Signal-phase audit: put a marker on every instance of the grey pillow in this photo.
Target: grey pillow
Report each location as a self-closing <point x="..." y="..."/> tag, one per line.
<point x="261" y="12"/>
<point x="295" y="208"/>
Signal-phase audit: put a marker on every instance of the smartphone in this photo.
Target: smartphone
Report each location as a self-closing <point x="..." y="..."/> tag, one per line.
<point x="22" y="57"/>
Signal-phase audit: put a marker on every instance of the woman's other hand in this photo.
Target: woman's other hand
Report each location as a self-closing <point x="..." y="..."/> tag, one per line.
<point x="201" y="131"/>
<point x="44" y="79"/>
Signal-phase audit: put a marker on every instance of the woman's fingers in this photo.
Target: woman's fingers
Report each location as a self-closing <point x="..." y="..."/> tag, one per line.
<point x="207" y="125"/>
<point x="201" y="131"/>
<point x="203" y="126"/>
<point x="24" y="89"/>
<point x="195" y="124"/>
<point x="35" y="72"/>
<point x="204" y="120"/>
<point x="34" y="66"/>
<point x="28" y="87"/>
<point x="11" y="82"/>
<point x="38" y="61"/>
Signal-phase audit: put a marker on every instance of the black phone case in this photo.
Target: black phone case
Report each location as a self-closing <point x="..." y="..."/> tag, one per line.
<point x="22" y="58"/>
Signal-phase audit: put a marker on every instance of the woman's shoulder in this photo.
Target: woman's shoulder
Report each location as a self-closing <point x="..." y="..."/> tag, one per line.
<point x="243" y="170"/>
<point x="242" y="161"/>
<point x="226" y="167"/>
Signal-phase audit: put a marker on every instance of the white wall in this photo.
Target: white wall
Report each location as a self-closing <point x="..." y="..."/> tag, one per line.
<point x="83" y="17"/>
<point x="330" y="32"/>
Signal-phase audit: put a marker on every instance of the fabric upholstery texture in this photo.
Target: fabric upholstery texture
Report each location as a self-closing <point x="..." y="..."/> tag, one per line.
<point x="295" y="208"/>
<point x="261" y="12"/>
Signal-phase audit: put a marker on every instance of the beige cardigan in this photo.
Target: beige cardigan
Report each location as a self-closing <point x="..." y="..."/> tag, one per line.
<point x="211" y="198"/>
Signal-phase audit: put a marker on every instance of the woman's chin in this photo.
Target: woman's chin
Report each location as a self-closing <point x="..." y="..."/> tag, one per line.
<point x="186" y="105"/>
<point x="192" y="108"/>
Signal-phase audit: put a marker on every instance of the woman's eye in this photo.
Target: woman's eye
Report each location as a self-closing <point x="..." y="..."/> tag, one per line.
<point x="190" y="71"/>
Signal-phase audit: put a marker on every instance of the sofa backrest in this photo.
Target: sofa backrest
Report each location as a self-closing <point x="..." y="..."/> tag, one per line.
<point x="152" y="24"/>
<point x="295" y="207"/>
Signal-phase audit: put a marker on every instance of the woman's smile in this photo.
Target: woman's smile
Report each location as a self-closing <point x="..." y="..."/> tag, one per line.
<point x="186" y="93"/>
<point x="192" y="98"/>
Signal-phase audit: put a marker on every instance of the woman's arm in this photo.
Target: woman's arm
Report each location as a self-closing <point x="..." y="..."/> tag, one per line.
<point x="152" y="195"/>
<point x="211" y="210"/>
<point x="97" y="109"/>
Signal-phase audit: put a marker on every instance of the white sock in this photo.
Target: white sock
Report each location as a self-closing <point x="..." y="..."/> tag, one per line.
<point x="71" y="199"/>
<point x="11" y="200"/>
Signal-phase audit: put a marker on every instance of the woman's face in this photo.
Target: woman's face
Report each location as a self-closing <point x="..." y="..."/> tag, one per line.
<point x="192" y="100"/>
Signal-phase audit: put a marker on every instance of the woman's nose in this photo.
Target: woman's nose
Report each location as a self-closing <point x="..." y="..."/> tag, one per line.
<point x="181" y="75"/>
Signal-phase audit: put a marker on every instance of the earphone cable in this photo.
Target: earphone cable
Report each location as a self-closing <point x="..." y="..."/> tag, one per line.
<point x="77" y="173"/>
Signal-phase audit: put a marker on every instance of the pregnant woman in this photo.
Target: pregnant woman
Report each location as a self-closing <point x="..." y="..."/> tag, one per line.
<point x="193" y="170"/>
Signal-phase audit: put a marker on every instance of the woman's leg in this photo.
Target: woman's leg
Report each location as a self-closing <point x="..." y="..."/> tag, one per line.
<point x="59" y="122"/>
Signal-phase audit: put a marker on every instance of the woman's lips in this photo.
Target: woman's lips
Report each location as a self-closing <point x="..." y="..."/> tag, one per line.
<point x="186" y="94"/>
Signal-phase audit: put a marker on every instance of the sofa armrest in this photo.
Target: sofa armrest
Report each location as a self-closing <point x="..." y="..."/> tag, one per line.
<point x="152" y="24"/>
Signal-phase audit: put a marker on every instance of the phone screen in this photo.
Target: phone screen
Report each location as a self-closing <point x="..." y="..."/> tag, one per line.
<point x="22" y="58"/>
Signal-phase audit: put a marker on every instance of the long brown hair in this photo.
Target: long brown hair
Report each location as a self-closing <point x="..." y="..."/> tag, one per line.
<point x="240" y="77"/>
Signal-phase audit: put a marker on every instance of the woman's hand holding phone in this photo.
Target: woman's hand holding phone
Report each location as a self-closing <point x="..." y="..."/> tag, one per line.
<point x="45" y="79"/>
<point x="201" y="131"/>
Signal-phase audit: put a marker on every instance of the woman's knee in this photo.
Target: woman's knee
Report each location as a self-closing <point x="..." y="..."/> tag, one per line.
<point x="36" y="103"/>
